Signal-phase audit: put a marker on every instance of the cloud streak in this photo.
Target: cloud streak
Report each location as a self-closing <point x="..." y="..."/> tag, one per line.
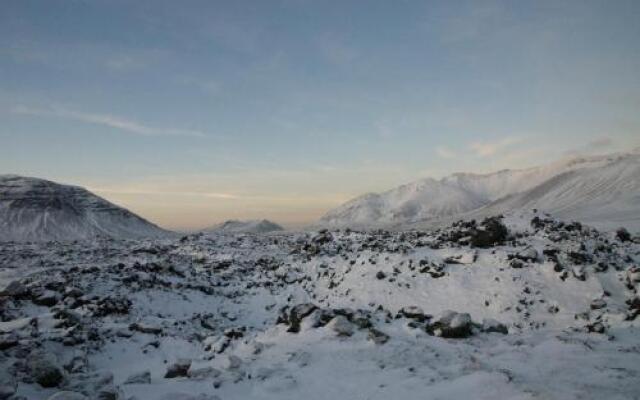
<point x="488" y="149"/>
<point x="110" y="121"/>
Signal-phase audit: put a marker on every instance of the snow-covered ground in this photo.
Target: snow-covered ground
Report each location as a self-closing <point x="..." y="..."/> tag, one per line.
<point x="541" y="310"/>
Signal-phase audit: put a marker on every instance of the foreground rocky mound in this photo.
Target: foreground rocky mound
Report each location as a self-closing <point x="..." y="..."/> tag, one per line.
<point x="518" y="307"/>
<point x="34" y="209"/>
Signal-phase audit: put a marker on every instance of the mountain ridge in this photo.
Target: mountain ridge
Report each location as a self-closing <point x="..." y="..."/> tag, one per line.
<point x="438" y="201"/>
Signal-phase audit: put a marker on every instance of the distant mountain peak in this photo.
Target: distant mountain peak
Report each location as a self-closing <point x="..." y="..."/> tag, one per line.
<point x="249" y="226"/>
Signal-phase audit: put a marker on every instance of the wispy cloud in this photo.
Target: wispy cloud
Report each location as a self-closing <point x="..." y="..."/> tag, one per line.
<point x="213" y="195"/>
<point x="111" y="121"/>
<point x="444" y="152"/>
<point x="488" y="149"/>
<point x="594" y="146"/>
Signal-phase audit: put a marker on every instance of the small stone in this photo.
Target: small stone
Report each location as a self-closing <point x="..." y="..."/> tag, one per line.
<point x="381" y="275"/>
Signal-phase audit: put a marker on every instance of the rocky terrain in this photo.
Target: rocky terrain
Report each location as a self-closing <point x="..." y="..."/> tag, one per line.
<point x="519" y="307"/>
<point x="33" y="209"/>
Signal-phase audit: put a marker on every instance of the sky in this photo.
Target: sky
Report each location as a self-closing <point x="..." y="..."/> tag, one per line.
<point x="190" y="112"/>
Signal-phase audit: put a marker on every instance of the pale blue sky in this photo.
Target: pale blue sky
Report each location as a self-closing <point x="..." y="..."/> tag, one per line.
<point x="193" y="112"/>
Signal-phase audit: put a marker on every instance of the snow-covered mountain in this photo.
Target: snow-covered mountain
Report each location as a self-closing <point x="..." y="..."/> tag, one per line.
<point x="34" y="209"/>
<point x="601" y="190"/>
<point x="251" y="226"/>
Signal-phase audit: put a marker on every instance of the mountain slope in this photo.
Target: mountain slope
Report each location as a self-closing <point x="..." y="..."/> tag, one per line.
<point x="251" y="226"/>
<point x="606" y="197"/>
<point x="34" y="209"/>
<point x="594" y="189"/>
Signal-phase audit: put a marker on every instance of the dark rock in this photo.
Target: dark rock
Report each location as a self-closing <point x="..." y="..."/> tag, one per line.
<point x="451" y="325"/>
<point x="377" y="337"/>
<point x="44" y="371"/>
<point x="47" y="298"/>
<point x="16" y="290"/>
<point x="413" y="312"/>
<point x="381" y="275"/>
<point x="491" y="325"/>
<point x="178" y="369"/>
<point x="490" y="233"/>
<point x="623" y="235"/>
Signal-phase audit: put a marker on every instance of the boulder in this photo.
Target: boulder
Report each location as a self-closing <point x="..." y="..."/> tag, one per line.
<point x="490" y="233"/>
<point x="527" y="254"/>
<point x="178" y="369"/>
<point x="341" y="326"/>
<point x="47" y="298"/>
<point x="451" y="325"/>
<point x="44" y="371"/>
<point x="490" y="325"/>
<point x="623" y="235"/>
<point x="377" y="337"/>
<point x="15" y="289"/>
